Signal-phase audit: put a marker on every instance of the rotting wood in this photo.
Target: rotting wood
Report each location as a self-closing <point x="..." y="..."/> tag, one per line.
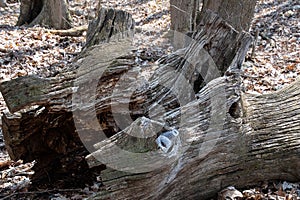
<point x="259" y="141"/>
<point x="44" y="107"/>
<point x="219" y="144"/>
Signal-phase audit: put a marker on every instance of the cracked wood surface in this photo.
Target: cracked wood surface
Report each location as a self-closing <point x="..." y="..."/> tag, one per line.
<point x="224" y="135"/>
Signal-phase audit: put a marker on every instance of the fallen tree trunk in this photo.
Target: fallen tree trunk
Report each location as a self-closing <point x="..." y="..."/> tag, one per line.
<point x="225" y="137"/>
<point x="41" y="127"/>
<point x="258" y="140"/>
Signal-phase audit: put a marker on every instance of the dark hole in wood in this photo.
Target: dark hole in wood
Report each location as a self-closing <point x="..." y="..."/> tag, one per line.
<point x="234" y="110"/>
<point x="198" y="84"/>
<point x="37" y="6"/>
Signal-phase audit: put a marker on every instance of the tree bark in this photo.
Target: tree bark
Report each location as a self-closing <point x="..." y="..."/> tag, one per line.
<point x="225" y="137"/>
<point x="49" y="13"/>
<point x="110" y="25"/>
<point x="56" y="145"/>
<point x="183" y="20"/>
<point x="257" y="142"/>
<point x="238" y="14"/>
<point x="183" y="14"/>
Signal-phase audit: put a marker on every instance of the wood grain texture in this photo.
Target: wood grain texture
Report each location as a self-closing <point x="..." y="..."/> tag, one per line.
<point x="225" y="137"/>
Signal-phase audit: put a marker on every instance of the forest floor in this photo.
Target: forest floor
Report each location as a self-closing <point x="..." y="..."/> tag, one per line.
<point x="271" y="64"/>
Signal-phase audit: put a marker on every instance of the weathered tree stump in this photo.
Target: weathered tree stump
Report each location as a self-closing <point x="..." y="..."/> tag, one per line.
<point x="60" y="153"/>
<point x="111" y="25"/>
<point x="224" y="136"/>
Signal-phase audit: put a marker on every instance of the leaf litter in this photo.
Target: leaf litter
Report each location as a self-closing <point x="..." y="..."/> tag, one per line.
<point x="272" y="63"/>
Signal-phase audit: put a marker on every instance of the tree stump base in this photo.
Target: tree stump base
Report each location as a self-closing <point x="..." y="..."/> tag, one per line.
<point x="48" y="13"/>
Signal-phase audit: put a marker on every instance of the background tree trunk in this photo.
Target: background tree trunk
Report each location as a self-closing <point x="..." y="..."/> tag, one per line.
<point x="237" y="13"/>
<point x="240" y="140"/>
<point x="49" y="13"/>
<point x="183" y="19"/>
<point x="185" y="16"/>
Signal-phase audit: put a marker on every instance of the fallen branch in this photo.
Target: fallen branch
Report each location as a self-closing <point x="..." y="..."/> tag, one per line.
<point x="73" y="32"/>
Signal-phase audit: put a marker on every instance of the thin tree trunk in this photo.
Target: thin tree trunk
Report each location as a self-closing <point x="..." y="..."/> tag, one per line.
<point x="183" y="20"/>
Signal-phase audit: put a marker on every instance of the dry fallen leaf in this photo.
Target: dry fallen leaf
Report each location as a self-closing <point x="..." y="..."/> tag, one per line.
<point x="230" y="193"/>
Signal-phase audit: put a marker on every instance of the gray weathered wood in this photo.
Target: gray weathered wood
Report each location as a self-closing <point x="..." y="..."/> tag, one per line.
<point x="191" y="63"/>
<point x="110" y="25"/>
<point x="40" y="126"/>
<point x="225" y="137"/>
<point x="258" y="141"/>
<point x="238" y="13"/>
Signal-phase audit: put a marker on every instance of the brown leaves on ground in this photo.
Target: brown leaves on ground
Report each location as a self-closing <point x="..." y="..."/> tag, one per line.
<point x="276" y="60"/>
<point x="25" y="51"/>
<point x="267" y="191"/>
